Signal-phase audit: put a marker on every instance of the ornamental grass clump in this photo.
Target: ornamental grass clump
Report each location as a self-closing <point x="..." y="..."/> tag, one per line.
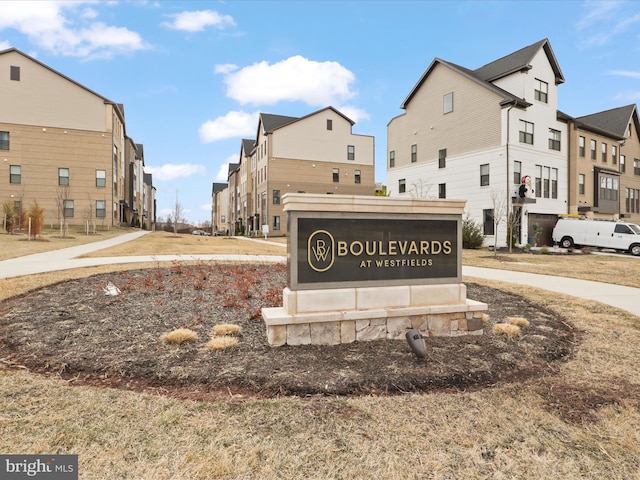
<point x="506" y="329"/>
<point x="226" y="329"/>
<point x="179" y="336"/>
<point x="519" y="321"/>
<point x="222" y="343"/>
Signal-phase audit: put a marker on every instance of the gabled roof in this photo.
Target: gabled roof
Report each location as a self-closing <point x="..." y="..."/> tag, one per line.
<point x="248" y="146"/>
<point x="502" y="67"/>
<point x="218" y="187"/>
<point x="233" y="167"/>
<point x="518" y="61"/>
<point x="614" y="121"/>
<point x="507" y="98"/>
<point x="271" y="122"/>
<point x="118" y="107"/>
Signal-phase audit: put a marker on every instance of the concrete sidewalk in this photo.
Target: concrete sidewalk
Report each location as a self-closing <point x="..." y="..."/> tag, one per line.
<point x="625" y="298"/>
<point x="66" y="258"/>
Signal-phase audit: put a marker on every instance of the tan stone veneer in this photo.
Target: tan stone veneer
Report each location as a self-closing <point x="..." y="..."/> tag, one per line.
<point x="344" y="313"/>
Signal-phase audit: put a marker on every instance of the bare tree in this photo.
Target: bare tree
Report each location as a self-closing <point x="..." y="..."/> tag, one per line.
<point x="63" y="194"/>
<point x="177" y="214"/>
<point x="499" y="216"/>
<point x="420" y="189"/>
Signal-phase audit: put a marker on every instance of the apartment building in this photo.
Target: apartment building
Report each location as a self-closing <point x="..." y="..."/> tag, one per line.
<point x="149" y="204"/>
<point x="604" y="164"/>
<point x="478" y="135"/>
<point x="219" y="207"/>
<point x="64" y="146"/>
<point x="317" y="153"/>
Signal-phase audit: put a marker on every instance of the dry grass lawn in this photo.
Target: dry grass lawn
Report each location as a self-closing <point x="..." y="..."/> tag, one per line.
<point x="164" y="243"/>
<point x="579" y="423"/>
<point x="18" y="244"/>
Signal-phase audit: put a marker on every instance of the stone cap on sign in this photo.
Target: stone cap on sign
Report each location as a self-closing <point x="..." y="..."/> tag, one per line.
<point x="312" y="202"/>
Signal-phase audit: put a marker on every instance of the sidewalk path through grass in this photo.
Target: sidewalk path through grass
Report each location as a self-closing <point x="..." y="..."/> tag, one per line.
<point x="625" y="298"/>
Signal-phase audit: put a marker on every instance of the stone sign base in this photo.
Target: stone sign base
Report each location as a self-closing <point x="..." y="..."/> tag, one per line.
<point x="346" y="315"/>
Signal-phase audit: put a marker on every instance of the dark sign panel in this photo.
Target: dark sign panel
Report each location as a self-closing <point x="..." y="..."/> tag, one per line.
<point x="334" y="250"/>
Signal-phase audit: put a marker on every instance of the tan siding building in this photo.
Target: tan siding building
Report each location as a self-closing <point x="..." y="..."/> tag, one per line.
<point x="61" y="145"/>
<point x="317" y="153"/>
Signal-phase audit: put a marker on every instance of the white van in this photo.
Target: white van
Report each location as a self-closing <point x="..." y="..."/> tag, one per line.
<point x="621" y="236"/>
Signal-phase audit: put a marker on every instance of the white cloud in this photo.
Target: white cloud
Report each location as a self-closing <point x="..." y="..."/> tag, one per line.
<point x="168" y="171"/>
<point x="206" y="207"/>
<point x="223" y="173"/>
<point x="225" y="68"/>
<point x="4" y="45"/>
<point x="293" y="79"/>
<point x="354" y="113"/>
<point x="63" y="28"/>
<point x="625" y="73"/>
<point x="605" y="20"/>
<point x="198" y="20"/>
<point x="233" y="124"/>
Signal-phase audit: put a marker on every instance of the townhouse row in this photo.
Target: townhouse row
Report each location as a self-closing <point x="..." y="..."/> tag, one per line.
<point x="492" y="136"/>
<point x="317" y="153"/>
<point x="66" y="148"/>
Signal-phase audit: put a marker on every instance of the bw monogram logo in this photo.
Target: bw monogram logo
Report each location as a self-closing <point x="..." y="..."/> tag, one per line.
<point x="321" y="251"/>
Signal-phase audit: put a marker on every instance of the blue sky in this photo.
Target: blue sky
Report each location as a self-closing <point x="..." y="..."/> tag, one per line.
<point x="193" y="75"/>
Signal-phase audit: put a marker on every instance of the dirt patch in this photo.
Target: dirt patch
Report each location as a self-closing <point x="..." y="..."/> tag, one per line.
<point x="75" y="330"/>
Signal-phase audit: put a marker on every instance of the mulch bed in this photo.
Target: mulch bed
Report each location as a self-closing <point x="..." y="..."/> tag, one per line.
<point x="73" y="329"/>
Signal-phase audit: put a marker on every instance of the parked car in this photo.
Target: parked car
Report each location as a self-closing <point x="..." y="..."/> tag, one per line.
<point x="198" y="232"/>
<point x="621" y="236"/>
<point x="219" y="233"/>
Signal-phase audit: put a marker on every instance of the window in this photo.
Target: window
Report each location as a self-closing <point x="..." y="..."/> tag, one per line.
<point x="101" y="209"/>
<point x="357" y="176"/>
<point x="276" y="197"/>
<point x="4" y="140"/>
<point x="614" y="155"/>
<point x="101" y="178"/>
<point x="447" y="103"/>
<point x="68" y="208"/>
<point x="554" y="139"/>
<point x="593" y="149"/>
<point x="442" y="190"/>
<point x="636" y="166"/>
<point x="623" y="167"/>
<point x="542" y="91"/>
<point x="484" y="175"/>
<point x="538" y="181"/>
<point x="336" y="175"/>
<point x="581" y="146"/>
<point x="487" y="222"/>
<point x="329" y="124"/>
<point x="604" y="152"/>
<point x="517" y="172"/>
<point x="554" y="183"/>
<point x="15" y="73"/>
<point x="442" y="158"/>
<point x="546" y="182"/>
<point x="632" y="200"/>
<point x="581" y="179"/>
<point x="15" y="174"/>
<point x="609" y="186"/>
<point x="392" y="158"/>
<point x="351" y="152"/>
<point x="223" y="219"/>
<point x="526" y="132"/>
<point x="414" y="153"/>
<point x="402" y="186"/>
<point x="63" y="176"/>
<point x="276" y="222"/>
